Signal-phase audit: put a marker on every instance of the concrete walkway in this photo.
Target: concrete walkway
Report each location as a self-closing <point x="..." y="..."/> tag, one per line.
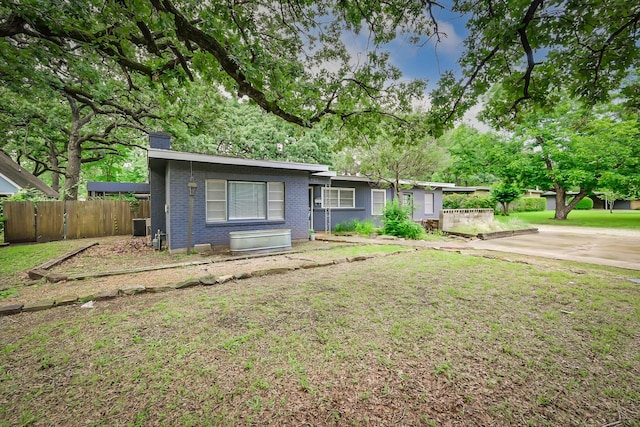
<point x="610" y="247"/>
<point x="601" y="246"/>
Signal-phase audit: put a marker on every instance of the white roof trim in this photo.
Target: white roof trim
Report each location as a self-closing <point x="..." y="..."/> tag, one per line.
<point x="330" y="174"/>
<point x="356" y="178"/>
<point x="156" y="153"/>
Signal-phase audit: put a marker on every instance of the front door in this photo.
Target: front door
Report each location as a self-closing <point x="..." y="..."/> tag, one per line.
<point x="311" y="208"/>
<point x="407" y="202"/>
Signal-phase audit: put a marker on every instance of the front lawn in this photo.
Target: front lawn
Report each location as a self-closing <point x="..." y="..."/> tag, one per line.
<point x="418" y="338"/>
<point x="582" y="218"/>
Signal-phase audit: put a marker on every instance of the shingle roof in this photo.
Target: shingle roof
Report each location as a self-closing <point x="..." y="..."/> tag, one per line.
<point x="22" y="177"/>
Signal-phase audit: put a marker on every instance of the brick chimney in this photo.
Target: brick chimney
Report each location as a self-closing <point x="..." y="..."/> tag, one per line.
<point x="160" y="140"/>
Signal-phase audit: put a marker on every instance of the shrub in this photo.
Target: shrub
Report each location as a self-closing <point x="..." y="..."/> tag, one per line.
<point x="363" y="228"/>
<point x="346" y="226"/>
<point x="453" y="201"/>
<point x="396" y="221"/>
<point x="461" y="201"/>
<point x="529" y="204"/>
<point x="584" y="204"/>
<point x="479" y="202"/>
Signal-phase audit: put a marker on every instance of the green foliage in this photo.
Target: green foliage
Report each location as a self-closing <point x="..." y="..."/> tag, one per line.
<point x="26" y="195"/>
<point x="396" y="221"/>
<point x="471" y="155"/>
<point x="529" y="204"/>
<point x="568" y="47"/>
<point x="453" y="201"/>
<point x="462" y="201"/>
<point x="363" y="228"/>
<point x="390" y="151"/>
<point x="584" y="204"/>
<point x="504" y="194"/>
<point x="477" y="201"/>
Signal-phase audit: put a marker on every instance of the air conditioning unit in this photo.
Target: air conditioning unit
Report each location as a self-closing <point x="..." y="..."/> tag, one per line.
<point x="140" y="226"/>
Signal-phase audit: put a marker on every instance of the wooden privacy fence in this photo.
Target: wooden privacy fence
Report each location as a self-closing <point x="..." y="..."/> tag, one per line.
<point x="56" y="220"/>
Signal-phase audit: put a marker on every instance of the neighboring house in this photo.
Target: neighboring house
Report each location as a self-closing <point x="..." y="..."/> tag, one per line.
<point x="232" y="195"/>
<point x="102" y="189"/>
<point x="356" y="197"/>
<point x="470" y="191"/>
<point x="14" y="177"/>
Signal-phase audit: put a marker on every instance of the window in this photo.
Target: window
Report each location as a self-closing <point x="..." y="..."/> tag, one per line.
<point x="247" y="200"/>
<point x="244" y="200"/>
<point x="428" y="203"/>
<point x="276" y="200"/>
<point x="216" y="190"/>
<point x="338" y="198"/>
<point x="378" y="201"/>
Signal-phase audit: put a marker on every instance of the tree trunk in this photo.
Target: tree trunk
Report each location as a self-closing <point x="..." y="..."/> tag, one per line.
<point x="72" y="175"/>
<point x="561" y="203"/>
<point x="563" y="209"/>
<point x="505" y="208"/>
<point x="55" y="175"/>
<point x="74" y="151"/>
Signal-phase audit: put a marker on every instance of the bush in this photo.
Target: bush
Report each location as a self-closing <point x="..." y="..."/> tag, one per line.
<point x="363" y="228"/>
<point x="346" y="226"/>
<point x="529" y="204"/>
<point x="461" y="201"/>
<point x="479" y="202"/>
<point x="584" y="204"/>
<point x="453" y="201"/>
<point x="396" y="221"/>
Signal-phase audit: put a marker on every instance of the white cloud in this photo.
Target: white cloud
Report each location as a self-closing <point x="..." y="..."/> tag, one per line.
<point x="471" y="118"/>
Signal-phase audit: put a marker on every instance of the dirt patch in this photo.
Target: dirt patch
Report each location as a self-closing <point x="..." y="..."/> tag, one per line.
<point x="113" y="255"/>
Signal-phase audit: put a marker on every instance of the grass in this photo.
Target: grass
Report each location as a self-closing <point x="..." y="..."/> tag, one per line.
<point x="15" y="259"/>
<point x="422" y="337"/>
<point x="579" y="218"/>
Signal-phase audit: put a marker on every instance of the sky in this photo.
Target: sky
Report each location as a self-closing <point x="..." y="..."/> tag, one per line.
<point x="429" y="60"/>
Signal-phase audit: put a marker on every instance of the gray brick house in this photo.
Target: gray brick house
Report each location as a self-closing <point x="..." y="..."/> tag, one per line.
<point x="235" y="195"/>
<point x="357" y="197"/>
<point x="232" y="195"/>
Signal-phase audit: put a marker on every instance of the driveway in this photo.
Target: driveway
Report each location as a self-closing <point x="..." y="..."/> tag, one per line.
<point x="603" y="246"/>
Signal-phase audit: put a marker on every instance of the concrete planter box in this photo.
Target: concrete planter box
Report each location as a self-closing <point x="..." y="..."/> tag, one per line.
<point x="506" y="233"/>
<point x="259" y="240"/>
<point x="494" y="234"/>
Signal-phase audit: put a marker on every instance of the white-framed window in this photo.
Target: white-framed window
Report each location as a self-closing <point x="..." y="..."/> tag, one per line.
<point x="216" y="193"/>
<point x="275" y="198"/>
<point x="244" y="200"/>
<point x="338" y="198"/>
<point x="378" y="201"/>
<point x="428" y="203"/>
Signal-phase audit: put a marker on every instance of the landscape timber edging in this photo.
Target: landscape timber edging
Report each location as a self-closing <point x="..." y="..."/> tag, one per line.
<point x="131" y="290"/>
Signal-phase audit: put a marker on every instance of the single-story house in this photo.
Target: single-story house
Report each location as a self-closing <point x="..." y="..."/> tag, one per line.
<point x="97" y="189"/>
<point x="232" y="195"/>
<point x="235" y="195"/>
<point x="470" y="191"/>
<point x="598" y="201"/>
<point x="357" y="197"/>
<point x="14" y="177"/>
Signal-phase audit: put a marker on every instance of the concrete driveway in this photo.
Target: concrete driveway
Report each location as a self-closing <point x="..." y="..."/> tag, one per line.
<point x="603" y="246"/>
